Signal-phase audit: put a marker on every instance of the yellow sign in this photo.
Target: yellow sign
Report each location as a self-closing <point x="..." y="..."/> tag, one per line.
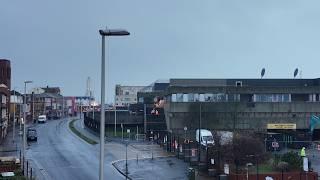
<point x="282" y="126"/>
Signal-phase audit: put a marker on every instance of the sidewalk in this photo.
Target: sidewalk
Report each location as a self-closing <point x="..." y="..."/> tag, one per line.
<point x="8" y="147"/>
<point x="163" y="166"/>
<point x="86" y="131"/>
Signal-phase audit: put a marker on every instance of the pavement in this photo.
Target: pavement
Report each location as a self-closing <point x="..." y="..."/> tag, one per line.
<point x="157" y="169"/>
<point x="10" y="146"/>
<point x="163" y="165"/>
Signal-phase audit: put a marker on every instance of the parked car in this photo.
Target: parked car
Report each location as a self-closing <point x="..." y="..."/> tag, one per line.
<point x="32" y="134"/>
<point x="42" y="119"/>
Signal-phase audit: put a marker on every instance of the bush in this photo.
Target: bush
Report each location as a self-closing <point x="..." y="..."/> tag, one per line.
<point x="293" y="159"/>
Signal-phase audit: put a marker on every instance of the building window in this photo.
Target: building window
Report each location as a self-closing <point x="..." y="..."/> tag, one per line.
<point x="174" y="97"/>
<point x="179" y="97"/>
<point x="208" y="97"/>
<point x="191" y="97"/>
<point x="271" y="98"/>
<point x="233" y="97"/>
<point x="185" y="98"/>
<point x="196" y="97"/>
<point x="239" y="83"/>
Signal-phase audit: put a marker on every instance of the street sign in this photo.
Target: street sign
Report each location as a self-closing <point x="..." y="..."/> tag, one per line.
<point x="275" y="144"/>
<point x="212" y="161"/>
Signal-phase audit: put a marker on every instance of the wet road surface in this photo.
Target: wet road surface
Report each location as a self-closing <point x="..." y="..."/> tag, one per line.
<point x="59" y="154"/>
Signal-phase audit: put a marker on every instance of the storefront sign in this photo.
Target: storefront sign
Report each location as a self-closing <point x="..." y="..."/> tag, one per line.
<point x="282" y="126"/>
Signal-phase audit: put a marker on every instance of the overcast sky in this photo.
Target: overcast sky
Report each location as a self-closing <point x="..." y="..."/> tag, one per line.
<point x="56" y="43"/>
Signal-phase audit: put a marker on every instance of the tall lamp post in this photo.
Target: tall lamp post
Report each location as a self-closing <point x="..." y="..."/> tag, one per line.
<point x="14" y="114"/>
<point x="104" y="33"/>
<point x="24" y="117"/>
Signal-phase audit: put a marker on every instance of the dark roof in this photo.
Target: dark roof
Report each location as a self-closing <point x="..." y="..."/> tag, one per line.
<point x="47" y="95"/>
<point x="15" y="92"/>
<point x="55" y="90"/>
<point x="245" y="82"/>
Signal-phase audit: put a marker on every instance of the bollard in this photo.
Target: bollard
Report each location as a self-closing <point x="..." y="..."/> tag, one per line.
<point x="152" y="155"/>
<point x="23" y="165"/>
<point x="137" y="158"/>
<point x="27" y="167"/>
<point x="31" y="173"/>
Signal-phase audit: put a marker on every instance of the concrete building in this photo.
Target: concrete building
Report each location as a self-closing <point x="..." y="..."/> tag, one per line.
<point x="5" y="85"/>
<point x="260" y="105"/>
<point x="126" y="95"/>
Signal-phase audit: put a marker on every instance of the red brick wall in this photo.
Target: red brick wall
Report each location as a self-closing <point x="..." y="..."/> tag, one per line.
<point x="5" y="72"/>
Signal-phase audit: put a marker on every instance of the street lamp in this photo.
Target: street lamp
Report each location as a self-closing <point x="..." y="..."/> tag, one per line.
<point x="24" y="117"/>
<point x="14" y="114"/>
<point x="104" y="33"/>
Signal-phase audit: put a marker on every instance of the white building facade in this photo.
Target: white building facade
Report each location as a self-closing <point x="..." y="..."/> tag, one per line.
<point x="126" y="95"/>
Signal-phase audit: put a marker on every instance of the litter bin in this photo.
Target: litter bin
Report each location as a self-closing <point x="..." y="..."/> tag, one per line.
<point x="191" y="173"/>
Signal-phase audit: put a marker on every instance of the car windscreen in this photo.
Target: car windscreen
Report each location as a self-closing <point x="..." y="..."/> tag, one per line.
<point x="207" y="138"/>
<point x="32" y="133"/>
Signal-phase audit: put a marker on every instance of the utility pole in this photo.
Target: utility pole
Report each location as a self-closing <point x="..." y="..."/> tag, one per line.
<point x="115" y="121"/>
<point x="32" y="106"/>
<point x="145" y="118"/>
<point x="24" y="117"/>
<point x="199" y="143"/>
<point x="14" y="114"/>
<point x="63" y="107"/>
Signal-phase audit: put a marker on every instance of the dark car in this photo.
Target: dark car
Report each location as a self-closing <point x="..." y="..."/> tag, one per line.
<point x="32" y="135"/>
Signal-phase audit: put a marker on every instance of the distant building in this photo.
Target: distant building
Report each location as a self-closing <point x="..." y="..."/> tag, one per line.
<point x="71" y="106"/>
<point x="84" y="103"/>
<point x="126" y="95"/>
<point x="46" y="101"/>
<point x="16" y="102"/>
<point x="53" y="90"/>
<point x="5" y="85"/>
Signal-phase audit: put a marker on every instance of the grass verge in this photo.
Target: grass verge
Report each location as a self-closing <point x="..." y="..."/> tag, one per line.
<point x="75" y="131"/>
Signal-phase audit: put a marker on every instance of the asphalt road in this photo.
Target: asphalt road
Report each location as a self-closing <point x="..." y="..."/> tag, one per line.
<point x="59" y="154"/>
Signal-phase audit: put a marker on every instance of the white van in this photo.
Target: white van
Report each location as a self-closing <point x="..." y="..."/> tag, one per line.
<point x="42" y="119"/>
<point x="206" y="138"/>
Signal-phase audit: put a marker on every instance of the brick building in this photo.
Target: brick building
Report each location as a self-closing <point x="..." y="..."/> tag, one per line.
<point x="5" y="85"/>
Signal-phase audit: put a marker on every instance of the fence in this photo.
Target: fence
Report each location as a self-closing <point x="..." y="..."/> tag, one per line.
<point x="276" y="176"/>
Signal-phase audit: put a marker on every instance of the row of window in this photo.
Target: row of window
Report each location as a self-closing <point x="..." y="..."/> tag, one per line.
<point x="221" y="97"/>
<point x="271" y="98"/>
<point x="5" y="72"/>
<point x="208" y="97"/>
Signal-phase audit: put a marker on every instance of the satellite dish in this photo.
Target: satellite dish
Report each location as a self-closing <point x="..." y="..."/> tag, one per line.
<point x="263" y="71"/>
<point x="295" y="72"/>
